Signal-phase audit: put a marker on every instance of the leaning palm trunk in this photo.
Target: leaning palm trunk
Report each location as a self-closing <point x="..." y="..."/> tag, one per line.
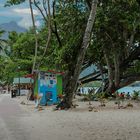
<point x="36" y="45"/>
<point x="71" y="88"/>
<point x="35" y="35"/>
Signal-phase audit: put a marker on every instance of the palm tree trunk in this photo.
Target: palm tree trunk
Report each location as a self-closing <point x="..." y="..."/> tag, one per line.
<point x="35" y="35"/>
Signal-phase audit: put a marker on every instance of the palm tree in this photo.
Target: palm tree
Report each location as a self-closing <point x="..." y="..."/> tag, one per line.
<point x="2" y="41"/>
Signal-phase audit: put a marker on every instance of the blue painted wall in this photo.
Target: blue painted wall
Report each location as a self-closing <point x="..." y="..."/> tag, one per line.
<point x="47" y="84"/>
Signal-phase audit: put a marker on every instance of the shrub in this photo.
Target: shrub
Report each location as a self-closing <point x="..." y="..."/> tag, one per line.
<point x="135" y="95"/>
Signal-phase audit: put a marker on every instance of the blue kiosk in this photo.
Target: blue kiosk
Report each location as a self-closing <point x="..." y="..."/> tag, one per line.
<point x="48" y="86"/>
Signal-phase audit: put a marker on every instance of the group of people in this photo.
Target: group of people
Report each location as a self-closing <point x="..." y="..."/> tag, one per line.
<point x="123" y="95"/>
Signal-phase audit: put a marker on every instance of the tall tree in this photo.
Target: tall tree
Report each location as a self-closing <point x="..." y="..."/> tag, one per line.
<point x="81" y="55"/>
<point x="116" y="40"/>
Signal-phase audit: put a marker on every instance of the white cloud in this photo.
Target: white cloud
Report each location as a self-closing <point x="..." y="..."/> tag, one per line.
<point x="26" y="22"/>
<point x="23" y="14"/>
<point x="25" y="11"/>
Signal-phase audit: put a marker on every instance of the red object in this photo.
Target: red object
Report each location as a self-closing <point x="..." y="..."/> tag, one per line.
<point x="29" y="76"/>
<point x="113" y="91"/>
<point x="51" y="71"/>
<point x="55" y="72"/>
<point x="121" y="95"/>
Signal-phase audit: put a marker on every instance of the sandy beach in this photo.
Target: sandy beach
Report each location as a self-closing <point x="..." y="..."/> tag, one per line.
<point x="103" y="123"/>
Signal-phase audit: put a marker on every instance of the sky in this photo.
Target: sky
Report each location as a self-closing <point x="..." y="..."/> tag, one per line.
<point x="19" y="13"/>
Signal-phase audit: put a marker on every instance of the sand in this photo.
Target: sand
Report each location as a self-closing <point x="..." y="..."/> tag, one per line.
<point x="103" y="123"/>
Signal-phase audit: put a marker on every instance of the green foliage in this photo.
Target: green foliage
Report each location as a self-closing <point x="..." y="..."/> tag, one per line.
<point x="101" y="95"/>
<point x="113" y="20"/>
<point x="135" y="95"/>
<point x="93" y="84"/>
<point x="71" y="21"/>
<point x="13" y="2"/>
<point x="21" y="54"/>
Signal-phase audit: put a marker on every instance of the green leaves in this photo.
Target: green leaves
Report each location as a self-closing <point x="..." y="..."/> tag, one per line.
<point x="115" y="23"/>
<point x="13" y="2"/>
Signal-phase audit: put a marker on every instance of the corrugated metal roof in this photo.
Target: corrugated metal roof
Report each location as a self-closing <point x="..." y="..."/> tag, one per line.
<point x="23" y="80"/>
<point x="89" y="70"/>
